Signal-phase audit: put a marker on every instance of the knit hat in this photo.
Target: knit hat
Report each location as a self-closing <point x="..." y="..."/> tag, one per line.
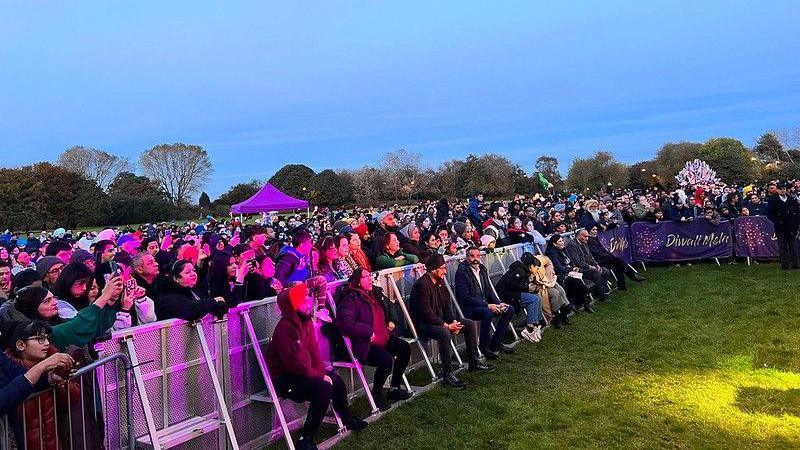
<point x="106" y="235"/>
<point x="381" y="216"/>
<point x="434" y="262"/>
<point x="44" y="265"/>
<point x="459" y="227"/>
<point x="486" y="240"/>
<point x="297" y="294"/>
<point x="80" y="256"/>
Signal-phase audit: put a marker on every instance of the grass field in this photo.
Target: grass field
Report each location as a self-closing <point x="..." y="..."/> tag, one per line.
<point x="695" y="357"/>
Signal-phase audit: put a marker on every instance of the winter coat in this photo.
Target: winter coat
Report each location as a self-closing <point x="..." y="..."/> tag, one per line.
<point x="562" y="265"/>
<point x="784" y="215"/>
<point x="290" y="266"/>
<point x="430" y="302"/>
<point x="469" y="293"/>
<point x="415" y="248"/>
<point x="387" y="261"/>
<point x="293" y="348"/>
<point x="514" y="282"/>
<point x="356" y="319"/>
<point x="178" y="302"/>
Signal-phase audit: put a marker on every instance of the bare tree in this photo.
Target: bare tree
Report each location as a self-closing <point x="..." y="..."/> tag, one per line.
<point x="179" y="169"/>
<point x="403" y="171"/>
<point x="94" y="164"/>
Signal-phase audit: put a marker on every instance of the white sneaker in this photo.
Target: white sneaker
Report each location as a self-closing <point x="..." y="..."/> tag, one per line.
<point x="529" y="336"/>
<point x="537" y="334"/>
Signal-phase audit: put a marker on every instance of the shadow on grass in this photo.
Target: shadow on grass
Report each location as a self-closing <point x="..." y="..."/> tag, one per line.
<point x="775" y="402"/>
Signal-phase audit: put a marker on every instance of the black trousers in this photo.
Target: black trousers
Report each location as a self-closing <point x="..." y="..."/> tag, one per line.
<point x="487" y="339"/>
<point x="392" y="358"/>
<point x="319" y="393"/>
<point x="787" y="246"/>
<point x="443" y="337"/>
<point x="576" y="291"/>
<point x="618" y="266"/>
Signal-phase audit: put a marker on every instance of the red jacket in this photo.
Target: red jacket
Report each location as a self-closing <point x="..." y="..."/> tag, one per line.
<point x="294" y="347"/>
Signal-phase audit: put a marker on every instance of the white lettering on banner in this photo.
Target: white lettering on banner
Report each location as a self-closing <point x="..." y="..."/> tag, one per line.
<point x="617" y="245"/>
<point x="700" y="240"/>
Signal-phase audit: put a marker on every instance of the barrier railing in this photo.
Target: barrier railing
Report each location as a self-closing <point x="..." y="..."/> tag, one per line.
<point x="72" y="415"/>
<point x="204" y="382"/>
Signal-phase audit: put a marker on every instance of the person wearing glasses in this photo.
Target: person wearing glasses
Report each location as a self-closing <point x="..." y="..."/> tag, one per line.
<point x="30" y="364"/>
<point x="49" y="269"/>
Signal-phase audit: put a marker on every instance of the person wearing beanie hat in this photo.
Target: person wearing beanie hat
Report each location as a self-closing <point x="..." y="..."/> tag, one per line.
<point x="49" y="269"/>
<point x="432" y="313"/>
<point x="82" y="256"/>
<point x="387" y="223"/>
<point x="297" y="370"/>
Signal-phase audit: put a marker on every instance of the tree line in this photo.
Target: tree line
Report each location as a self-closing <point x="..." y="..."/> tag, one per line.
<point x="89" y="186"/>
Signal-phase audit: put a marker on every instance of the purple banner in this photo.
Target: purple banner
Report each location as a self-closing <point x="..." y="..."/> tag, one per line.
<point x="617" y="241"/>
<point x="755" y="237"/>
<point x="671" y="241"/>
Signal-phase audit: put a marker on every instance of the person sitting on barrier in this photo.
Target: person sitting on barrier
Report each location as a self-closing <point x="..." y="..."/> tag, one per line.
<point x="29" y="365"/>
<point x="432" y="313"/>
<point x="567" y="274"/>
<point x="608" y="260"/>
<point x="292" y="263"/>
<point x="296" y="367"/>
<point x="37" y="303"/>
<point x="578" y="251"/>
<point x="392" y="255"/>
<point x="514" y="286"/>
<point x="177" y="299"/>
<point x="361" y="317"/>
<point x="478" y="301"/>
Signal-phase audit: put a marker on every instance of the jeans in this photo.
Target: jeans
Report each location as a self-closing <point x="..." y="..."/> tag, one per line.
<point x="532" y="304"/>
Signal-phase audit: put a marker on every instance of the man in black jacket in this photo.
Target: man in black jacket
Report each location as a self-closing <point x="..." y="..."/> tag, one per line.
<point x="578" y="252"/>
<point x="478" y="301"/>
<point x="433" y="316"/>
<point x="609" y="261"/>
<point x="784" y="212"/>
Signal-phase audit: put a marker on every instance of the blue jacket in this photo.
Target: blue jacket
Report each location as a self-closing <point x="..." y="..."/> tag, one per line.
<point x="468" y="293"/>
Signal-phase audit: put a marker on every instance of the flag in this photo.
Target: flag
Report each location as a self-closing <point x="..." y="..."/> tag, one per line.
<point x="543" y="181"/>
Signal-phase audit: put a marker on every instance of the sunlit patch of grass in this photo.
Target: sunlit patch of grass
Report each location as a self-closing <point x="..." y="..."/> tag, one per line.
<point x="695" y="357"/>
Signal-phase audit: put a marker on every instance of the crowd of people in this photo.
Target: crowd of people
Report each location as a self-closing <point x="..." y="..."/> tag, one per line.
<point x="62" y="290"/>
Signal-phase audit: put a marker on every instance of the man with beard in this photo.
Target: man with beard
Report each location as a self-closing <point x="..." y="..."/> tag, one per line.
<point x="784" y="212"/>
<point x="478" y="301"/>
<point x="387" y="223"/>
<point x="581" y="257"/>
<point x="299" y="374"/>
<point x="496" y="227"/>
<point x="432" y="313"/>
<point x="5" y="281"/>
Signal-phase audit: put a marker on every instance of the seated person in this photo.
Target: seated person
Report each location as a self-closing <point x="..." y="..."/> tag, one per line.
<point x="432" y="313"/>
<point x="361" y="318"/>
<point x="478" y="301"/>
<point x="611" y="262"/>
<point x="297" y="369"/>
<point x="514" y="286"/>
<point x="564" y="270"/>
<point x="582" y="259"/>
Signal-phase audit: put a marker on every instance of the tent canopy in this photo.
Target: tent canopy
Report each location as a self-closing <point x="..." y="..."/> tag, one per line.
<point x="268" y="198"/>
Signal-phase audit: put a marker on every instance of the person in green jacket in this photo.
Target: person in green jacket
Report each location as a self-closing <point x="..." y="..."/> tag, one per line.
<point x="392" y="255"/>
<point x="90" y="322"/>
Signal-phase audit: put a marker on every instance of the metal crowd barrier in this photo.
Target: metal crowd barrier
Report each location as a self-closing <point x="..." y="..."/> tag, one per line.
<point x="73" y="415"/>
<point x="205" y="385"/>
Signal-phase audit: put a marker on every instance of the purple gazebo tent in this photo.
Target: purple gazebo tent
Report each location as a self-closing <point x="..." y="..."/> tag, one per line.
<point x="268" y="198"/>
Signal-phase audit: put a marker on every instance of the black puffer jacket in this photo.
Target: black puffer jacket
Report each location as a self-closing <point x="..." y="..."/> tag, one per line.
<point x="513" y="283"/>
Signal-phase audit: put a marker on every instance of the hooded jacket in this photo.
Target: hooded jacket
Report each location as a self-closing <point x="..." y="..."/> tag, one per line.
<point x="356" y="319"/>
<point x="288" y="267"/>
<point x="178" y="302"/>
<point x="514" y="282"/>
<point x="293" y="348"/>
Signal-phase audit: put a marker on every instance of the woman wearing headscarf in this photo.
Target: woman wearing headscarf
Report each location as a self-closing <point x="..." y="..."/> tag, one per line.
<point x="412" y="245"/>
<point x="551" y="292"/>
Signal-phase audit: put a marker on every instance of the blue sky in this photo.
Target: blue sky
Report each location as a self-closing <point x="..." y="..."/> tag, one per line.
<point x="337" y="84"/>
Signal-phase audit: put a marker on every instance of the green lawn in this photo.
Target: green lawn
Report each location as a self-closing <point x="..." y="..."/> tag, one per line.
<point x="695" y="357"/>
